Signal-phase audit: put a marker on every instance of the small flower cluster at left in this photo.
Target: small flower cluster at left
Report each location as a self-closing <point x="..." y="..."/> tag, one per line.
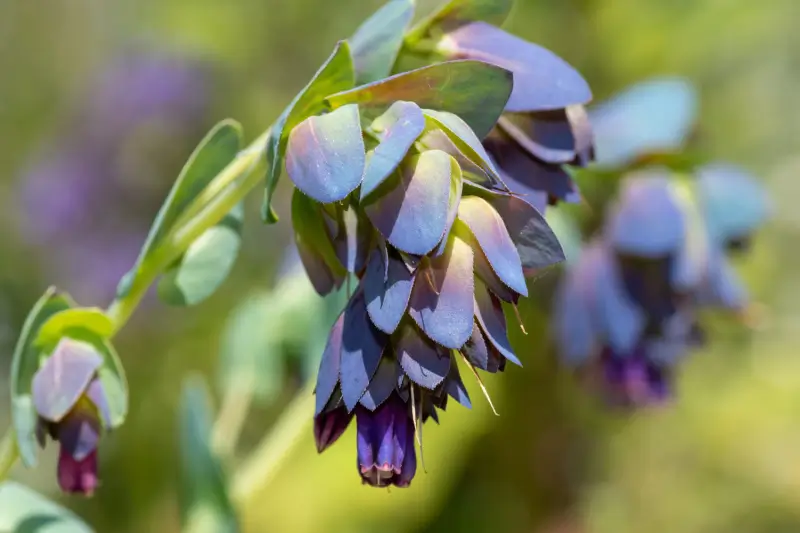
<point x="68" y="383"/>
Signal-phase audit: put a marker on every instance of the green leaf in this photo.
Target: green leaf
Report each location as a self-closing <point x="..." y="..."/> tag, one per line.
<point x="90" y="318"/>
<point x="335" y="75"/>
<point x="311" y="231"/>
<point x="467" y="143"/>
<point x="24" y="364"/>
<point x="458" y="12"/>
<point x="217" y="149"/>
<point x="206" y="263"/>
<point x="22" y="509"/>
<point x="475" y="91"/>
<point x="205" y="505"/>
<point x="377" y="42"/>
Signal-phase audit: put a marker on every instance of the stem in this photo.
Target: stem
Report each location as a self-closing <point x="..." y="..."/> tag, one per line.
<point x="231" y="418"/>
<point x="265" y="461"/>
<point x="8" y="453"/>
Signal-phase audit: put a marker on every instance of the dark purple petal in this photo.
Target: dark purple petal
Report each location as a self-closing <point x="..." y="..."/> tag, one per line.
<point x="622" y="320"/>
<point x="555" y="137"/>
<point x="328" y="375"/>
<point x="387" y="298"/>
<point x="647" y="220"/>
<point x="441" y="298"/>
<point x="77" y="477"/>
<point x="475" y="349"/>
<point x="325" y="155"/>
<point x="537" y="244"/>
<point x="362" y="346"/>
<point x="63" y="378"/>
<point x="382" y="384"/>
<point x="409" y="467"/>
<point x="492" y="320"/>
<point x="383" y="442"/>
<point x="455" y="387"/>
<point x="527" y="176"/>
<point x="398" y="128"/>
<point x="79" y="431"/>
<point x="329" y="426"/>
<point x="491" y="233"/>
<point x="542" y="80"/>
<point x="425" y="363"/>
<point x="413" y="214"/>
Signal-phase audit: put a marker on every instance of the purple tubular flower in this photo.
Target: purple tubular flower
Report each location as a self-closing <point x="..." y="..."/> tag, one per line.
<point x="545" y="125"/>
<point x="633" y="380"/>
<point x="73" y="409"/>
<point x="90" y="192"/>
<point x="386" y="454"/>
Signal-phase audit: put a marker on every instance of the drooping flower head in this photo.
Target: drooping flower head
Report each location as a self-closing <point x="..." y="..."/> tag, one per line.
<point x="73" y="409"/>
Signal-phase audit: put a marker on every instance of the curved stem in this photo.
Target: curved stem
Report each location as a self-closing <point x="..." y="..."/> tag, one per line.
<point x="8" y="453"/>
<point x="257" y="470"/>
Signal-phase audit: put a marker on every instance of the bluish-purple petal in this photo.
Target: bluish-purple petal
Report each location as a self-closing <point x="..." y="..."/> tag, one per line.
<point x="492" y="320"/>
<point x="425" y="363"/>
<point x="362" y="346"/>
<point x="382" y="384"/>
<point x="328" y="375"/>
<point x="387" y="298"/>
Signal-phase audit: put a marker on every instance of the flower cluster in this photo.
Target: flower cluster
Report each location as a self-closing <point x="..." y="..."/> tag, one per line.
<point x="629" y="304"/>
<point x="432" y="222"/>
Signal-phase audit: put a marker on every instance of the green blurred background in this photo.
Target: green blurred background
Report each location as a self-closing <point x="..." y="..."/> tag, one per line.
<point x="724" y="457"/>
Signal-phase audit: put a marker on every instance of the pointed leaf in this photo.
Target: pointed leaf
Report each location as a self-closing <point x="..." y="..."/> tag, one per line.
<point x="455" y="387"/>
<point x="206" y="263"/>
<point x="490" y="316"/>
<point x="362" y="346"/>
<point x="425" y="363"/>
<point x="329" y="365"/>
<point x="412" y="215"/>
<point x="490" y="231"/>
<point x="542" y="80"/>
<point x="387" y="297"/>
<point x="475" y="91"/>
<point x="203" y="497"/>
<point x="325" y="155"/>
<point x="24" y="364"/>
<point x="475" y="349"/>
<point x="335" y="75"/>
<point x="217" y="149"/>
<point x="382" y="384"/>
<point x="399" y="127"/>
<point x="378" y="40"/>
<point x="654" y="116"/>
<point x="537" y="245"/>
<point x="22" y="509"/>
<point x="314" y="244"/>
<point x="441" y="302"/>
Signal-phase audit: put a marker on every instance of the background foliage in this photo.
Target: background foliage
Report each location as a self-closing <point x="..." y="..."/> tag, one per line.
<point x="555" y="460"/>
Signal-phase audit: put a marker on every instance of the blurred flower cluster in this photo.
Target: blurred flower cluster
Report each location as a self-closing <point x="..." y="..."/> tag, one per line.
<point x="90" y="192"/>
<point x="628" y="307"/>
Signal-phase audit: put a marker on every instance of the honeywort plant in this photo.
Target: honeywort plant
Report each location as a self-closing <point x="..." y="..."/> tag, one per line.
<point x="396" y="198"/>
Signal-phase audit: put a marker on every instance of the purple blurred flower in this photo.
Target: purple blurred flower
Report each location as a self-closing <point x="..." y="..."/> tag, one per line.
<point x="90" y="193"/>
<point x="73" y="409"/>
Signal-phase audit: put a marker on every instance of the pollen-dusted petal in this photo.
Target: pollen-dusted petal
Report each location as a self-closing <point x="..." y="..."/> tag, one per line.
<point x="441" y="301"/>
<point x="491" y="233"/>
<point x="425" y="363"/>
<point x="382" y="383"/>
<point x="647" y="220"/>
<point x="325" y="155"/>
<point x="542" y="80"/>
<point x="398" y="128"/>
<point x="412" y="215"/>
<point x="537" y="244"/>
<point x="387" y="298"/>
<point x="362" y="346"/>
<point x="475" y="349"/>
<point x="492" y="320"/>
<point x="63" y="378"/>
<point x="455" y="387"/>
<point x="328" y="375"/>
